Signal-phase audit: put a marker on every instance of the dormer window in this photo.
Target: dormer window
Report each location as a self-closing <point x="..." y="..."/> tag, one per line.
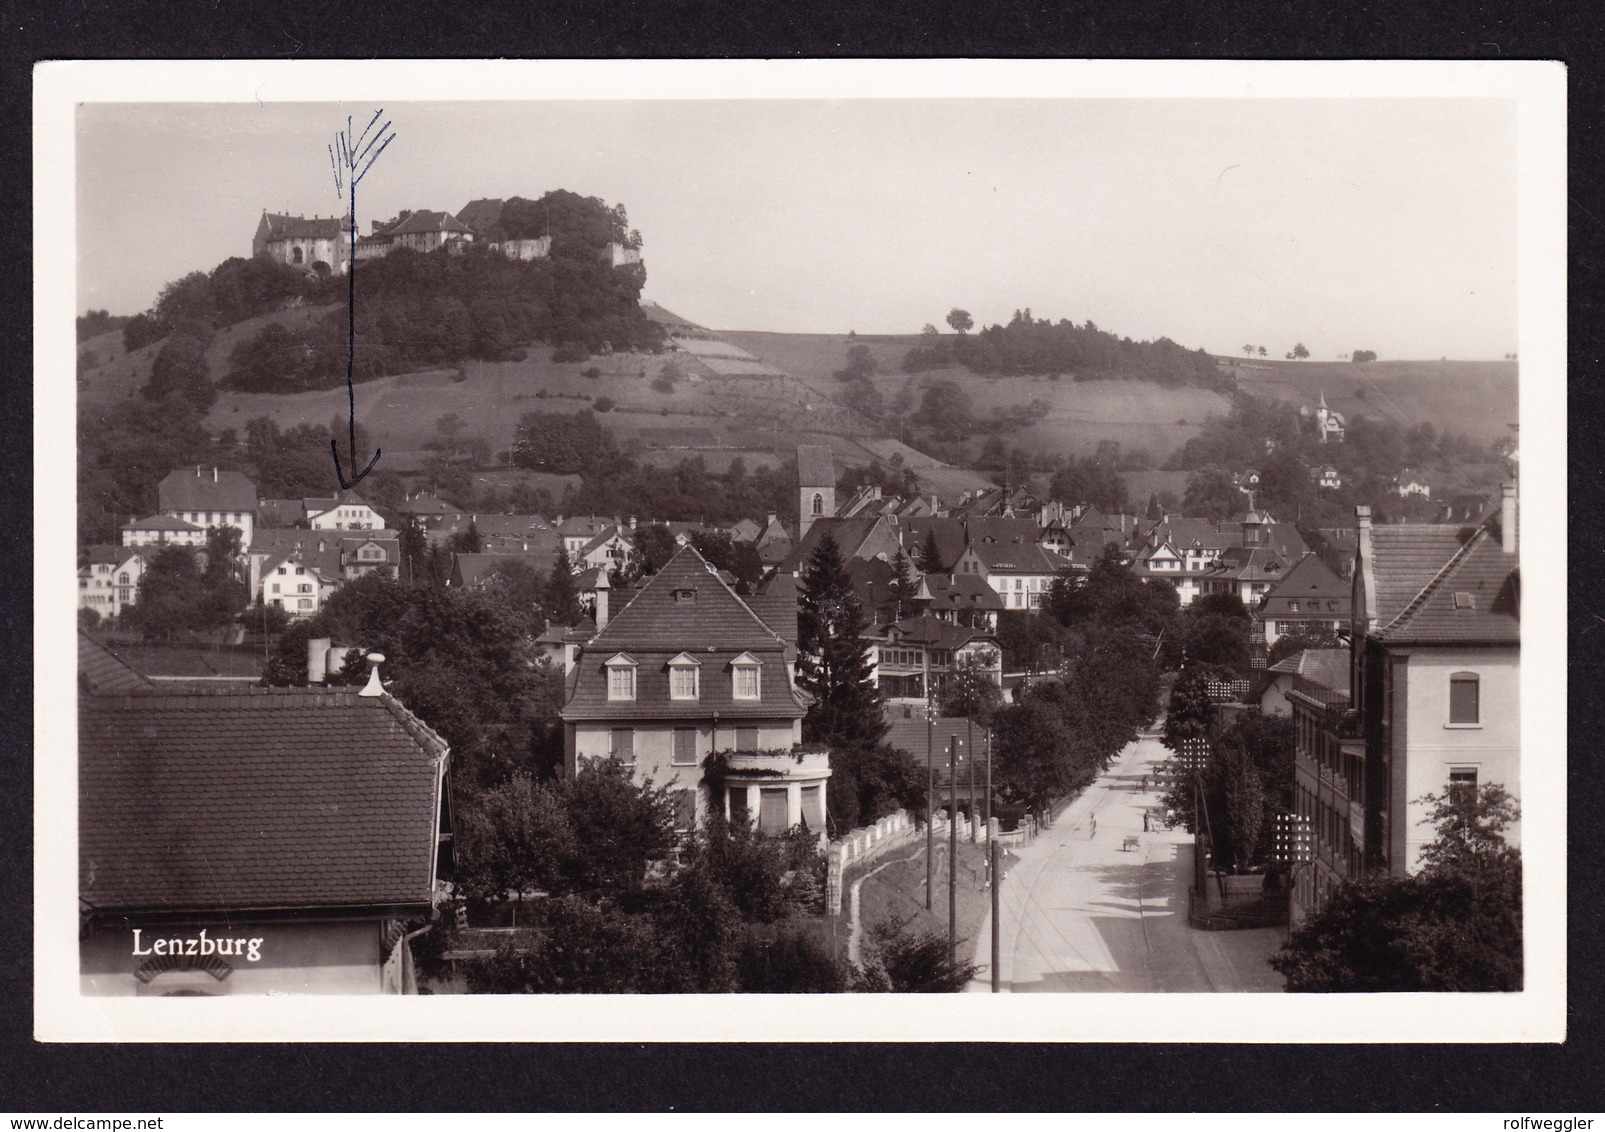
<point x="688" y="594"/>
<point x="683" y="677"/>
<point x="745" y="675"/>
<point x="620" y="677"/>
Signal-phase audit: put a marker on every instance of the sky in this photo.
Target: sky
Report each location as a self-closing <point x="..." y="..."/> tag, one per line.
<point x="1386" y="224"/>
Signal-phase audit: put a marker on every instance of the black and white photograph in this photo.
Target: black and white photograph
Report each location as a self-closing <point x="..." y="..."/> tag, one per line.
<point x="943" y="530"/>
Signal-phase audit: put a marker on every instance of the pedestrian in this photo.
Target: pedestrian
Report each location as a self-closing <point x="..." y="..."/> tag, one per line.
<point x="1145" y="783"/>
<point x="1094" y="825"/>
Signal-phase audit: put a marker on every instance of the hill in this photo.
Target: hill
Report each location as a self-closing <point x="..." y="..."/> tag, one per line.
<point x="1477" y="399"/>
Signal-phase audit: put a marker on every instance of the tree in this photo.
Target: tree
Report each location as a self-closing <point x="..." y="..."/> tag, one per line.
<point x="931" y="554"/>
<point x="181" y="369"/>
<point x="562" y="600"/>
<point x="946" y="410"/>
<point x="1247" y="350"/>
<point x="833" y="657"/>
<point x="907" y="962"/>
<point x="960" y="320"/>
<point x="1262" y="351"/>
<point x="1299" y="352"/>
<point x="1211" y="494"/>
<point x="1364" y="356"/>
<point x="969" y="691"/>
<point x="1454" y="926"/>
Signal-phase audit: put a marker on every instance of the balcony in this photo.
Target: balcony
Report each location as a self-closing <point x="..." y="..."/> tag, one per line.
<point x="796" y="762"/>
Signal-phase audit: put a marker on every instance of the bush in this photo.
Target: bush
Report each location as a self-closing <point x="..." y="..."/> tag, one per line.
<point x="603" y="404"/>
<point x="88" y="618"/>
<point x="912" y="962"/>
<point x="663" y="385"/>
<point x="592" y="372"/>
<point x="519" y="354"/>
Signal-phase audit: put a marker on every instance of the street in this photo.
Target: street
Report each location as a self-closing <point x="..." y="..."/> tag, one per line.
<point x="1082" y="912"/>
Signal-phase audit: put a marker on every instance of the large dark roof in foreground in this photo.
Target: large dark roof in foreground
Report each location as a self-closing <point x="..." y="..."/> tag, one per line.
<point x="264" y="798"/>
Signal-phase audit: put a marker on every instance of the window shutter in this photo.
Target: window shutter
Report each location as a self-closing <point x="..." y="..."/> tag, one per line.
<point x="746" y="738"/>
<point x="685" y="746"/>
<point x="1463" y="699"/>
<point x="772" y="810"/>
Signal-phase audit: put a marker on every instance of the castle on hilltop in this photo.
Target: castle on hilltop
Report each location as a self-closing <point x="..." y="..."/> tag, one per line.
<point x="324" y="244"/>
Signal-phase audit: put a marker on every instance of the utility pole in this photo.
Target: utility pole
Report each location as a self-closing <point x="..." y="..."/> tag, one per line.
<point x="993" y="858"/>
<point x="952" y="849"/>
<point x="930" y="783"/>
<point x="970" y="726"/>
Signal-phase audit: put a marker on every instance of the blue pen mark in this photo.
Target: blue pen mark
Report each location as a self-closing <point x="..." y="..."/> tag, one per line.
<point x="350" y="161"/>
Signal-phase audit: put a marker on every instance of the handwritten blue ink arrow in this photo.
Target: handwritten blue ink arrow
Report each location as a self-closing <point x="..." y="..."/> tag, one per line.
<point x="345" y="156"/>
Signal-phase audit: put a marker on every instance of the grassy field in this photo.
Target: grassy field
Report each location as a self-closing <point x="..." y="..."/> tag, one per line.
<point x="1474" y="398"/>
<point x="762" y="418"/>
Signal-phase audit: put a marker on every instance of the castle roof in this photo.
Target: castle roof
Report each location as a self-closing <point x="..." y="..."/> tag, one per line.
<point x="282" y="227"/>
<point x="420" y="223"/>
<point x="481" y="215"/>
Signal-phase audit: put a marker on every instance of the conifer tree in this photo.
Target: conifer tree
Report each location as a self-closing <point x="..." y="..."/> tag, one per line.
<point x="833" y="661"/>
<point x="931" y="555"/>
<point x="562" y="601"/>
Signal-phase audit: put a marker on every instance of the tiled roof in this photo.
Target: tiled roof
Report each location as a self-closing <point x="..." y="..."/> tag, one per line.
<point x="1474" y="599"/>
<point x="481" y="215"/>
<point x="714" y="626"/>
<point x="1309" y="579"/>
<point x="911" y="735"/>
<point x="949" y="537"/>
<point x="346" y="498"/>
<point x="282" y="227"/>
<point x="103" y="555"/>
<point x="194" y="489"/>
<point x="1327" y="667"/>
<point x="282" y="513"/>
<point x="326" y="563"/>
<point x="101" y="670"/>
<point x="776" y="606"/>
<point x="1405" y="557"/>
<point x="425" y="221"/>
<point x="422" y="505"/>
<point x="816" y="466"/>
<point x="1018" y="558"/>
<point x="255" y="799"/>
<point x="935" y="633"/>
<point x="161" y="523"/>
<point x="714" y="617"/>
<point x="961" y="591"/>
<point x="850" y="535"/>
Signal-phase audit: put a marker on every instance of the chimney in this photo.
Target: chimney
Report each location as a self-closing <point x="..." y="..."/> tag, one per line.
<point x="601" y="601"/>
<point x="374" y="687"/>
<point x="1507" y="517"/>
<point x="769" y="519"/>
<point x="322" y="546"/>
<point x="317" y="660"/>
<point x="632" y="522"/>
<point x="214" y="474"/>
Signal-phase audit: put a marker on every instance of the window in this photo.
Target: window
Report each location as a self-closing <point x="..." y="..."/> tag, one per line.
<point x="275" y="587"/>
<point x="685" y="746"/>
<point x="620" y="678"/>
<point x="683" y="677"/>
<point x="1464" y="696"/>
<point x="1462" y="782"/>
<point x="306" y="603"/>
<point x="744" y="677"/>
<point x="1292" y="607"/>
<point x="122" y="579"/>
<point x="300" y="569"/>
<point x="746" y="738"/>
<point x="818" y="504"/>
<point x="304" y="588"/>
<point x="621" y="745"/>
<point x="685" y="809"/>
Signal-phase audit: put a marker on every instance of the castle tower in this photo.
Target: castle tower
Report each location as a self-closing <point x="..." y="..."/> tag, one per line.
<point x="816" y="485"/>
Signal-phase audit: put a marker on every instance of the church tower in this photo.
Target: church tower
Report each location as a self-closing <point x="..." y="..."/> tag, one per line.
<point x="816" y="486"/>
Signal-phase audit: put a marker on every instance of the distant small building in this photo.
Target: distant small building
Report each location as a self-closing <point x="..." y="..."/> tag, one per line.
<point x="209" y="497"/>
<point x="1410" y="482"/>
<point x="1331" y="425"/>
<point x="1328" y="668"/>
<point x="163" y="530"/>
<point x="426" y="231"/>
<point x="108" y="579"/>
<point x="1326" y="477"/>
